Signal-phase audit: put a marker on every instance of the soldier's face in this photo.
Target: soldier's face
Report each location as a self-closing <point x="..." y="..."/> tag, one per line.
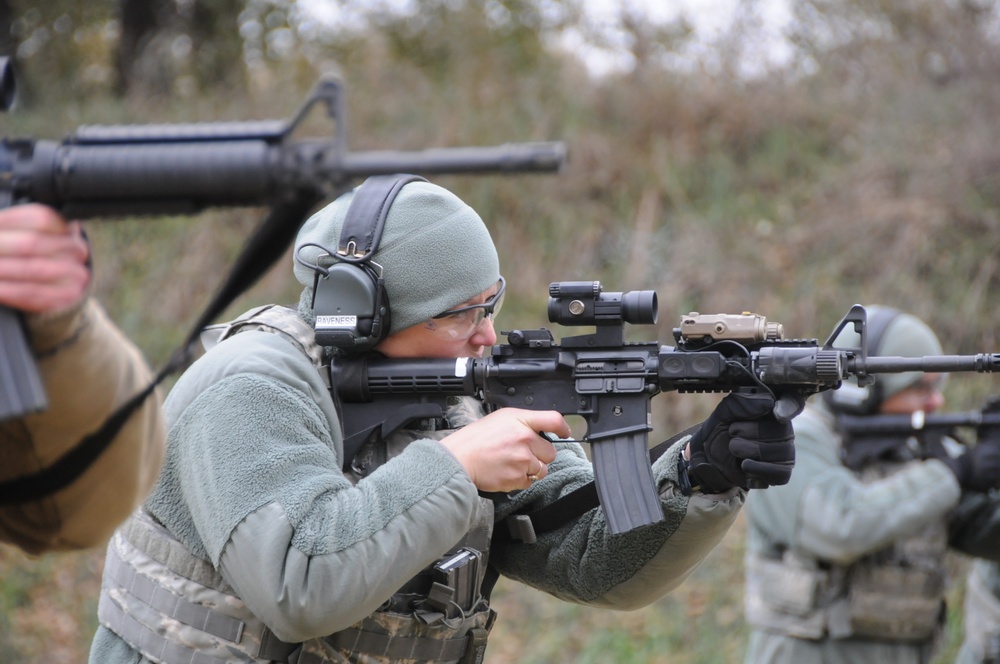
<point x="433" y="339"/>
<point x="923" y="395"/>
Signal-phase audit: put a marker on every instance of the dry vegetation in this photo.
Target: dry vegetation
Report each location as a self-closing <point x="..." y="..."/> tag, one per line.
<point x="866" y="171"/>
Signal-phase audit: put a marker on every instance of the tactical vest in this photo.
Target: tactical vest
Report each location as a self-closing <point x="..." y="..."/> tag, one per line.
<point x="892" y="595"/>
<point x="982" y="612"/>
<point x="172" y="606"/>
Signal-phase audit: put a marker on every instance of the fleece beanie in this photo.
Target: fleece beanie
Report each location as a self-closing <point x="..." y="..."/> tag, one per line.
<point x="906" y="336"/>
<point x="435" y="252"/>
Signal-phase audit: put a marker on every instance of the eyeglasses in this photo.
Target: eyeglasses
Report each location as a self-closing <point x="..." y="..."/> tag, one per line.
<point x="462" y="322"/>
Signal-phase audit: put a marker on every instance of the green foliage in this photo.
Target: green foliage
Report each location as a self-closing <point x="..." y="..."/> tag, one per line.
<point x="75" y="39"/>
<point x="866" y="170"/>
<point x="438" y="36"/>
<point x="47" y="608"/>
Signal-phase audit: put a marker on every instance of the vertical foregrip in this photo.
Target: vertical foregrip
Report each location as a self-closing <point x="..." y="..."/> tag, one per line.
<point x="624" y="480"/>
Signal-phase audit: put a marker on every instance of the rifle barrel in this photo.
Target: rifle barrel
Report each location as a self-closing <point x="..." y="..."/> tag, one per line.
<point x="979" y="363"/>
<point x="509" y="158"/>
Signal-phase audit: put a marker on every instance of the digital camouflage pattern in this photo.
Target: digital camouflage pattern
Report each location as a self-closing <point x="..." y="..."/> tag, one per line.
<point x="134" y="605"/>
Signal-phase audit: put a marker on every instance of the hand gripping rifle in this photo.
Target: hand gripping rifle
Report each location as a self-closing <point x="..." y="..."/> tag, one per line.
<point x="609" y="382"/>
<point x="101" y="171"/>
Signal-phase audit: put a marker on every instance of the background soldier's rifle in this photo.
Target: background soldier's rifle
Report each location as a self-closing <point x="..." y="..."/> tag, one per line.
<point x="860" y="426"/>
<point x="610" y="382"/>
<point x="100" y="171"/>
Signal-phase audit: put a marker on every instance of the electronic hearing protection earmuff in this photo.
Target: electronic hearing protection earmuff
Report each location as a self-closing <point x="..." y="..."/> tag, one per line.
<point x="349" y="297"/>
<point x="851" y="398"/>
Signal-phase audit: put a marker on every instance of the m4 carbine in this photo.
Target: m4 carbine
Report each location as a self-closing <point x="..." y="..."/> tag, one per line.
<point x="609" y="382"/>
<point x="101" y="171"/>
<point x="860" y="426"/>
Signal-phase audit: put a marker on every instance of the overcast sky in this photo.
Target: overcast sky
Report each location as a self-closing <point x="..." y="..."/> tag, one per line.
<point x="710" y="18"/>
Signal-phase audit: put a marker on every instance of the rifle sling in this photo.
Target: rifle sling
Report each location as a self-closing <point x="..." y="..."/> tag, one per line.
<point x="267" y="244"/>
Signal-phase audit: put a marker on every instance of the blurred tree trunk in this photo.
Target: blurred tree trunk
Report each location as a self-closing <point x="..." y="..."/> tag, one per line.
<point x="217" y="46"/>
<point x="142" y="21"/>
<point x="8" y="45"/>
<point x="168" y="46"/>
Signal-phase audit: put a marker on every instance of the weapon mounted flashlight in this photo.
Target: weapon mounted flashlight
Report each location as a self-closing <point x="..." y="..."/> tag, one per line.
<point x="745" y="328"/>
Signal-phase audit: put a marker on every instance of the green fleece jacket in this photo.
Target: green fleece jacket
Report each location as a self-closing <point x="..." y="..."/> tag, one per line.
<point x="253" y="483"/>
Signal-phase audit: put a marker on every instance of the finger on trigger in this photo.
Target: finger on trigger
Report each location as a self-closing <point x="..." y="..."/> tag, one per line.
<point x="556" y="423"/>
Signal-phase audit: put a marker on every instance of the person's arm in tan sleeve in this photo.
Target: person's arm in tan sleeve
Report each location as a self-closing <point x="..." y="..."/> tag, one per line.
<point x="88" y="368"/>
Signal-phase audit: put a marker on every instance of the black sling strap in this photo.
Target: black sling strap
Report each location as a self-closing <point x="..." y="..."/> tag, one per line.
<point x="265" y="247"/>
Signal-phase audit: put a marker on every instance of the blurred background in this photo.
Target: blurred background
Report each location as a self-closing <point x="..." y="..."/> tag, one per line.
<point x="786" y="159"/>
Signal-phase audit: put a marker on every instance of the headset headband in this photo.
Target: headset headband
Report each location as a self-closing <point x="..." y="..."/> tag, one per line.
<point x="365" y="219"/>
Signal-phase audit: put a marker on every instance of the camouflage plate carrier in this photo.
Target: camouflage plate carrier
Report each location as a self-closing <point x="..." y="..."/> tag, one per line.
<point x="892" y="595"/>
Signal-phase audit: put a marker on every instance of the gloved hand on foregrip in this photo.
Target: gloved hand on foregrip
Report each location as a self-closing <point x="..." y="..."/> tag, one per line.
<point x="984" y="473"/>
<point x="978" y="469"/>
<point x="742" y="443"/>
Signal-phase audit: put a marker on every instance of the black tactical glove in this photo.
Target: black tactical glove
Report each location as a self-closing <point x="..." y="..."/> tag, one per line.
<point x="979" y="468"/>
<point x="742" y="440"/>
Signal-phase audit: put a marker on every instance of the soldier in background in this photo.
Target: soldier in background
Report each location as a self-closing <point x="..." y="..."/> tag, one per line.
<point x="845" y="562"/>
